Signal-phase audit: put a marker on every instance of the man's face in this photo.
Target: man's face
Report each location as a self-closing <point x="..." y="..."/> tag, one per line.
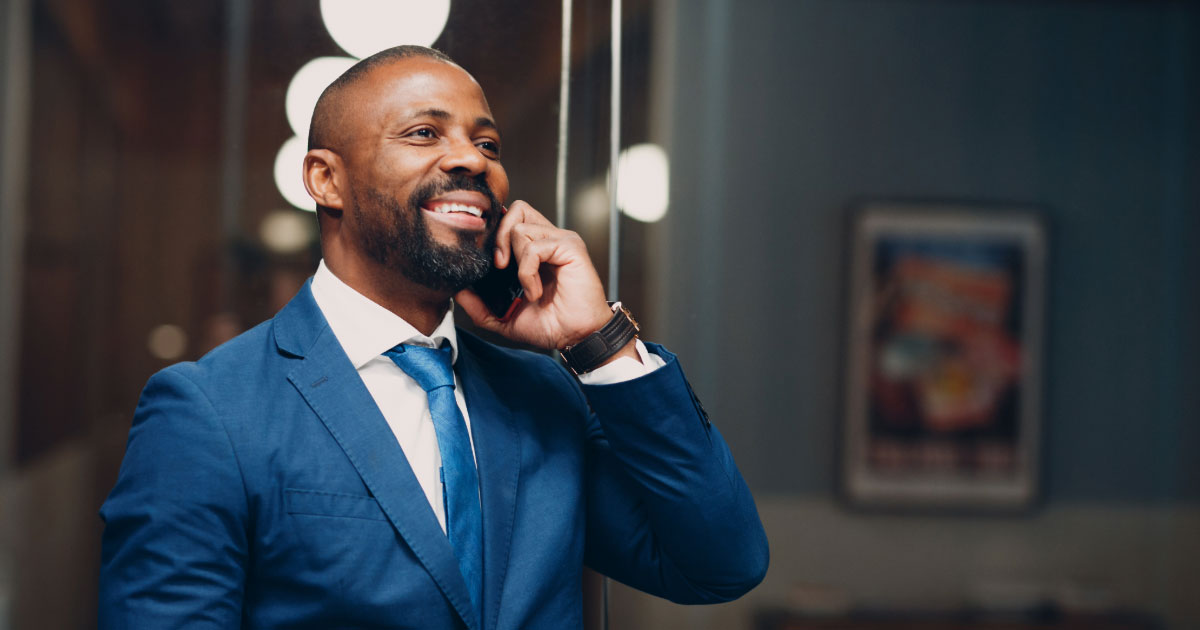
<point x="423" y="164"/>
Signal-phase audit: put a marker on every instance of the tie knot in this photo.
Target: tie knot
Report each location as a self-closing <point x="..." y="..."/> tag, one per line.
<point x="429" y="367"/>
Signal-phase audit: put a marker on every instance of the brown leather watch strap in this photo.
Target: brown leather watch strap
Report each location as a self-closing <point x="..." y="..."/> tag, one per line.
<point x="599" y="346"/>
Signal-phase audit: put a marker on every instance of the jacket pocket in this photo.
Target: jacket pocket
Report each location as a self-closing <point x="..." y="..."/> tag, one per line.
<point x="319" y="503"/>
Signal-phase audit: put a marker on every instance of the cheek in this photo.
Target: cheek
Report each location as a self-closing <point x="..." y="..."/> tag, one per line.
<point x="398" y="174"/>
<point x="498" y="182"/>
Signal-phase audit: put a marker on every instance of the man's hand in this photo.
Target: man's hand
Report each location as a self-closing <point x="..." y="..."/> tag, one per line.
<point x="564" y="299"/>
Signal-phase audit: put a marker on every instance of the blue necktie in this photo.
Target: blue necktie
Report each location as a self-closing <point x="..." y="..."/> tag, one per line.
<point x="431" y="370"/>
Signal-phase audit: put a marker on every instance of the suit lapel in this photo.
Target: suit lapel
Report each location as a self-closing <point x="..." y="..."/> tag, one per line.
<point x="331" y="386"/>
<point x="498" y="457"/>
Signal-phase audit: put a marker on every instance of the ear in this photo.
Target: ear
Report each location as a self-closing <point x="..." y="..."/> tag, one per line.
<point x="324" y="177"/>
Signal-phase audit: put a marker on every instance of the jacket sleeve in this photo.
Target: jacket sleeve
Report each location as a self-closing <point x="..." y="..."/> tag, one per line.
<point x="175" y="541"/>
<point x="668" y="512"/>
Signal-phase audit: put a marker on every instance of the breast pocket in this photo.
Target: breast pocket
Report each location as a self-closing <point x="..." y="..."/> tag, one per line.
<point x="345" y="541"/>
<point x="332" y="504"/>
<point x="343" y="548"/>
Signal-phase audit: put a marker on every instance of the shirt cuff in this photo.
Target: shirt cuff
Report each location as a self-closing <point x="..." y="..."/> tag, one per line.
<point x="624" y="368"/>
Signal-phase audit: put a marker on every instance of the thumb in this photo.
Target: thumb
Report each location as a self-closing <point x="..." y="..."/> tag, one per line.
<point x="473" y="306"/>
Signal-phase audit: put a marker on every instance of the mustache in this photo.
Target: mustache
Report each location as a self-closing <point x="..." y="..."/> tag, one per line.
<point x="456" y="181"/>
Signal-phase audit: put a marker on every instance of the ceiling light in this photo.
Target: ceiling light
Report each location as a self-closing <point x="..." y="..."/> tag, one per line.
<point x="365" y="27"/>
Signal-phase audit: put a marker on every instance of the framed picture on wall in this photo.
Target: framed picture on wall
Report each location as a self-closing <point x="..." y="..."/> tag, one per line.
<point x="942" y="390"/>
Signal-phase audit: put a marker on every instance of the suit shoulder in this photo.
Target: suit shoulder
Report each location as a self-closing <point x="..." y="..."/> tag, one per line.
<point x="242" y="356"/>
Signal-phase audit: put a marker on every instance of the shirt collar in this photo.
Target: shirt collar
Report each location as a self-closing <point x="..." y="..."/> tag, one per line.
<point x="364" y="328"/>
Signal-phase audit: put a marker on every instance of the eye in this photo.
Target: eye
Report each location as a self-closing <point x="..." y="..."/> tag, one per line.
<point x="489" y="146"/>
<point x="423" y="132"/>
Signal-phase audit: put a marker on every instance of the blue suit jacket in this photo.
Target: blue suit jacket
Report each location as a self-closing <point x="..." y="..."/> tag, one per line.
<point x="262" y="488"/>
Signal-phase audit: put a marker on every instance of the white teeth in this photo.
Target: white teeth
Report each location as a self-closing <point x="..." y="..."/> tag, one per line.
<point x="457" y="207"/>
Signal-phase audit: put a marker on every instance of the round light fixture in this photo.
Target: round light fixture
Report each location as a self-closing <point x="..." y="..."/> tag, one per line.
<point x="286" y="231"/>
<point x="643" y="182"/>
<point x="309" y="81"/>
<point x="167" y="342"/>
<point x="288" y="163"/>
<point x="365" y="27"/>
<point x="590" y="207"/>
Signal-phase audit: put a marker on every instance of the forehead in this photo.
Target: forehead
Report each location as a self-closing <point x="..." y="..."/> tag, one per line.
<point x="406" y="87"/>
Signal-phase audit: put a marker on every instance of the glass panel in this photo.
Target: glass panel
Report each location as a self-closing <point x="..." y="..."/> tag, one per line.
<point x="154" y="229"/>
<point x="590" y="124"/>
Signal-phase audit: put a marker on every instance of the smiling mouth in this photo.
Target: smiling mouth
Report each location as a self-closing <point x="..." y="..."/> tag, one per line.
<point x="449" y="208"/>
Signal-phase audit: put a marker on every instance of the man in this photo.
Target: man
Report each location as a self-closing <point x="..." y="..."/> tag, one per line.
<point x="308" y="475"/>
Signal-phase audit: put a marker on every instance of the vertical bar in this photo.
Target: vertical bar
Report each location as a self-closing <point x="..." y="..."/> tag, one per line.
<point x="16" y="28"/>
<point x="614" y="213"/>
<point x="15" y="66"/>
<point x="564" y="101"/>
<point x="233" y="126"/>
<point x="1179" y="69"/>
<point x="614" y="152"/>
<point x="604" y="602"/>
<point x="1175" y="178"/>
<point x="716" y="19"/>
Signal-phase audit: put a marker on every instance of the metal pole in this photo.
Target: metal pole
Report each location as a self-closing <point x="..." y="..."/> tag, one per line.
<point x="564" y="100"/>
<point x="233" y="126"/>
<point x="16" y="61"/>
<point x="614" y="213"/>
<point x="614" y="153"/>
<point x="16" y="56"/>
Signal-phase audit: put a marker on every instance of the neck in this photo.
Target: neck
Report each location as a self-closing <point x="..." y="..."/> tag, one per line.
<point x="420" y="306"/>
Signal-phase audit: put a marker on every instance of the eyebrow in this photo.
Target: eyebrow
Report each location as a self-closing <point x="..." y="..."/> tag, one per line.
<point x="432" y="112"/>
<point x="484" y="121"/>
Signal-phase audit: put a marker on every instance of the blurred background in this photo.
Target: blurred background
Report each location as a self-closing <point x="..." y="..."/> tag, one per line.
<point x="143" y="222"/>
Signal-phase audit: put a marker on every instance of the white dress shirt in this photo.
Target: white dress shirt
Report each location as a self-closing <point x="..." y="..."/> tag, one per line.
<point x="366" y="330"/>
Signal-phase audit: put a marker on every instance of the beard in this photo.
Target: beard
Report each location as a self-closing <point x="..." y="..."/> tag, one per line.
<point x="397" y="237"/>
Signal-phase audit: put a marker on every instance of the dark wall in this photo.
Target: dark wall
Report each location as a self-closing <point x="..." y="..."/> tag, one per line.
<point x="786" y="112"/>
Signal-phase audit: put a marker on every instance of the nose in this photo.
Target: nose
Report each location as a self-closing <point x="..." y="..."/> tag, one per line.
<point x="462" y="156"/>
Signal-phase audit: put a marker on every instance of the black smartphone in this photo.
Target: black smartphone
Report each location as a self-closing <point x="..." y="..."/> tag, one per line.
<point x="501" y="291"/>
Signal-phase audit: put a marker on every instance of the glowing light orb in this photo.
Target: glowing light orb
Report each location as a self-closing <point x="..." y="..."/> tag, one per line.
<point x="590" y="207"/>
<point x="286" y="231"/>
<point x="309" y="81"/>
<point x="167" y="342"/>
<point x="288" y="163"/>
<point x="643" y="182"/>
<point x="365" y="27"/>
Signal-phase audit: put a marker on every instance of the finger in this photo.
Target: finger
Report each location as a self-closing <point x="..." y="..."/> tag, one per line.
<point x="503" y="234"/>
<point x="558" y="247"/>
<point x="474" y="307"/>
<point x="522" y="235"/>
<point x="529" y="215"/>
<point x="533" y="232"/>
<point x="556" y="252"/>
<point x="529" y="259"/>
<point x="519" y="213"/>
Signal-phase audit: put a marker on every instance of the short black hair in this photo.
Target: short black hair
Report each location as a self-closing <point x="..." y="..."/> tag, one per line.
<point x="320" y="129"/>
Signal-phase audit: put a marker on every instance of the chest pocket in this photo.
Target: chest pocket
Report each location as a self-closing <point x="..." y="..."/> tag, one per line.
<point x="332" y="504"/>
<point x="341" y="549"/>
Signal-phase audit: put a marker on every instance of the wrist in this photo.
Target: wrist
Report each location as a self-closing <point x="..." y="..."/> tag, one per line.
<point x="628" y="351"/>
<point x="599" y="317"/>
<point x="614" y="339"/>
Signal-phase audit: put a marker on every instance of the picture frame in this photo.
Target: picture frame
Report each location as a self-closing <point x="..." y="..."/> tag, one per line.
<point x="945" y="327"/>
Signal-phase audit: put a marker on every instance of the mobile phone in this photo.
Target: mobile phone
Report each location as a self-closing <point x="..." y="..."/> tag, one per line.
<point x="501" y="291"/>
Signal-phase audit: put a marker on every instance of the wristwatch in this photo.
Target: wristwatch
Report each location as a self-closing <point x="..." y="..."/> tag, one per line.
<point x="599" y="346"/>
